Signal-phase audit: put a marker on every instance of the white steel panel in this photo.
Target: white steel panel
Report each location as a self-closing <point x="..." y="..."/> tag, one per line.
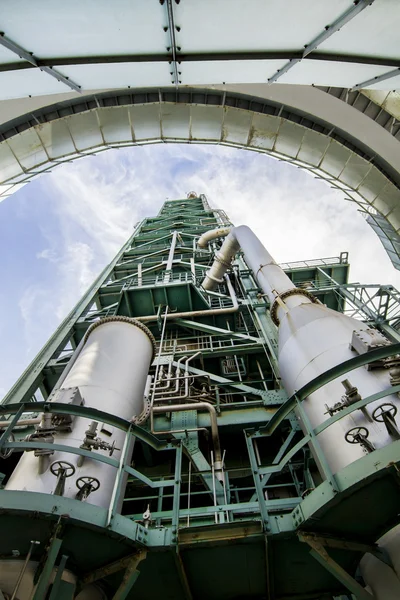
<point x="9" y="166"/>
<point x="390" y="101"/>
<point x="381" y="206"/>
<point x="372" y="185"/>
<point x="228" y="71"/>
<point x="85" y="130"/>
<point x="390" y="195"/>
<point x="145" y="120"/>
<point x="373" y="32"/>
<point x="57" y="139"/>
<point x="115" y="124"/>
<point x="208" y="25"/>
<point x="175" y="121"/>
<point x="335" y="158"/>
<point x="206" y="122"/>
<point x="355" y="170"/>
<point x="236" y="127"/>
<point x="389" y="84"/>
<point x="326" y="72"/>
<point x="264" y="129"/>
<point x="394" y="218"/>
<point x="76" y="28"/>
<point x="28" y="82"/>
<point x="289" y="138"/>
<point x="121" y="75"/>
<point x="28" y="149"/>
<point x="313" y="148"/>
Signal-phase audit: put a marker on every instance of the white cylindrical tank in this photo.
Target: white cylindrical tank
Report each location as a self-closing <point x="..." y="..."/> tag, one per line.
<point x="110" y="374"/>
<point x="312" y="340"/>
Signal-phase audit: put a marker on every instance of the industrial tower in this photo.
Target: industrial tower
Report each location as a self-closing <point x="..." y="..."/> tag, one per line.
<point x="207" y="424"/>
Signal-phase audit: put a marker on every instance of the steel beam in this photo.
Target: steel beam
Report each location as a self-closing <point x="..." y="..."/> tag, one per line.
<point x="130" y="576"/>
<point x="340" y="22"/>
<point x="378" y="79"/>
<point x="30" y="58"/>
<point x="321" y="555"/>
<point x="44" y="579"/>
<point x="203" y="57"/>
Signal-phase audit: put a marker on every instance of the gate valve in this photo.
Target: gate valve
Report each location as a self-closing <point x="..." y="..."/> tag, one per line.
<point x="359" y="435"/>
<point x="61" y="469"/>
<point x="385" y="413"/>
<point x="86" y="485"/>
<point x="41" y="436"/>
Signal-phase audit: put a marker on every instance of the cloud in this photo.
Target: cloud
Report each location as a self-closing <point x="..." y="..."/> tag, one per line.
<point x="93" y="204"/>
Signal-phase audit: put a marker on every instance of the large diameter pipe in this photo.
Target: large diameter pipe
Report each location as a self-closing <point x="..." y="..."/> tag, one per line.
<point x="111" y="373"/>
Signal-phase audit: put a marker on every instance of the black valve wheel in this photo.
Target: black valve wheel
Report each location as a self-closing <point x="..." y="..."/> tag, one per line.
<point x="6" y="452"/>
<point x="88" y="481"/>
<point x="62" y="465"/>
<point x="383" y="409"/>
<point x="353" y="435"/>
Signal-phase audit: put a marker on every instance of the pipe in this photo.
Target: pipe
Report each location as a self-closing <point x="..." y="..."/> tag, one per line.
<point x="22" y="422"/>
<point x="270" y="277"/>
<point x="213" y="420"/>
<point x="18" y="583"/>
<point x="213" y="234"/>
<point x="199" y="313"/>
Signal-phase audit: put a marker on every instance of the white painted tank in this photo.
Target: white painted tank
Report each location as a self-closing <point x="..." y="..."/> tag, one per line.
<point x="110" y="373"/>
<point x="313" y="339"/>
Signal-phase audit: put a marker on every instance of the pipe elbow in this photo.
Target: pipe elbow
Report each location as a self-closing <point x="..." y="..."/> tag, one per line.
<point x="213" y="234"/>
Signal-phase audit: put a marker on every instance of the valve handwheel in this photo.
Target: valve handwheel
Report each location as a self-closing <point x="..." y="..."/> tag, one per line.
<point x="381" y="410"/>
<point x="62" y="465"/>
<point x="89" y="481"/>
<point x="353" y="434"/>
<point x="6" y="452"/>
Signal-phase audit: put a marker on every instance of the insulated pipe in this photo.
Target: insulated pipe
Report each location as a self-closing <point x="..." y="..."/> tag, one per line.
<point x="213" y="421"/>
<point x="213" y="234"/>
<point x="111" y="374"/>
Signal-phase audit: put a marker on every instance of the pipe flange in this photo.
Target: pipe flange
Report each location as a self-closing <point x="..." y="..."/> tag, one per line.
<point x="122" y="319"/>
<point x="220" y="259"/>
<point x="287" y="294"/>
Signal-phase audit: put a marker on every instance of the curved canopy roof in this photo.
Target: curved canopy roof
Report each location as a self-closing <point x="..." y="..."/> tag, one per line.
<point x="310" y="82"/>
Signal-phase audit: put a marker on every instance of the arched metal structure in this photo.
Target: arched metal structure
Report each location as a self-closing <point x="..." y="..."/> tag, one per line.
<point x="347" y="133"/>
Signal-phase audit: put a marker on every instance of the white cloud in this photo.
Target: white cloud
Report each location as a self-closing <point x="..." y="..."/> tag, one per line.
<point x="97" y="201"/>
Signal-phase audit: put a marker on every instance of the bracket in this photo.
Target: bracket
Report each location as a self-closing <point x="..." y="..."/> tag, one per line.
<point x="319" y="552"/>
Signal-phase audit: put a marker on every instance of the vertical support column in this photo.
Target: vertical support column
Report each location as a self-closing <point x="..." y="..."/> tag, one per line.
<point x="44" y="579"/>
<point x="116" y="495"/>
<point x="319" y="455"/>
<point x="177" y="494"/>
<point x="168" y="268"/>
<point x="257" y="481"/>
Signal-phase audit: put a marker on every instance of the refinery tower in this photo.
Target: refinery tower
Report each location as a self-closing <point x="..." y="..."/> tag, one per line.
<point x="207" y="424"/>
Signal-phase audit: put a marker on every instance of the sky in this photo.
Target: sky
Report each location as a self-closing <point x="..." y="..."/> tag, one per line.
<point x="58" y="232"/>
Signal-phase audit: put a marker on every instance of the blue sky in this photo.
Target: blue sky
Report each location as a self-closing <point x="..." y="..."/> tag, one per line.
<point x="59" y="231"/>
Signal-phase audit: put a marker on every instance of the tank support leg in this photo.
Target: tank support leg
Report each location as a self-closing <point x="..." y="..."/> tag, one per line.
<point x="130" y="576"/>
<point x="44" y="578"/>
<point x="321" y="555"/>
<point x="57" y="580"/>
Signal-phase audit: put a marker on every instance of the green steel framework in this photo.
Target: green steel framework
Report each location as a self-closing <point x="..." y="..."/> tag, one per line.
<point x="273" y="528"/>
